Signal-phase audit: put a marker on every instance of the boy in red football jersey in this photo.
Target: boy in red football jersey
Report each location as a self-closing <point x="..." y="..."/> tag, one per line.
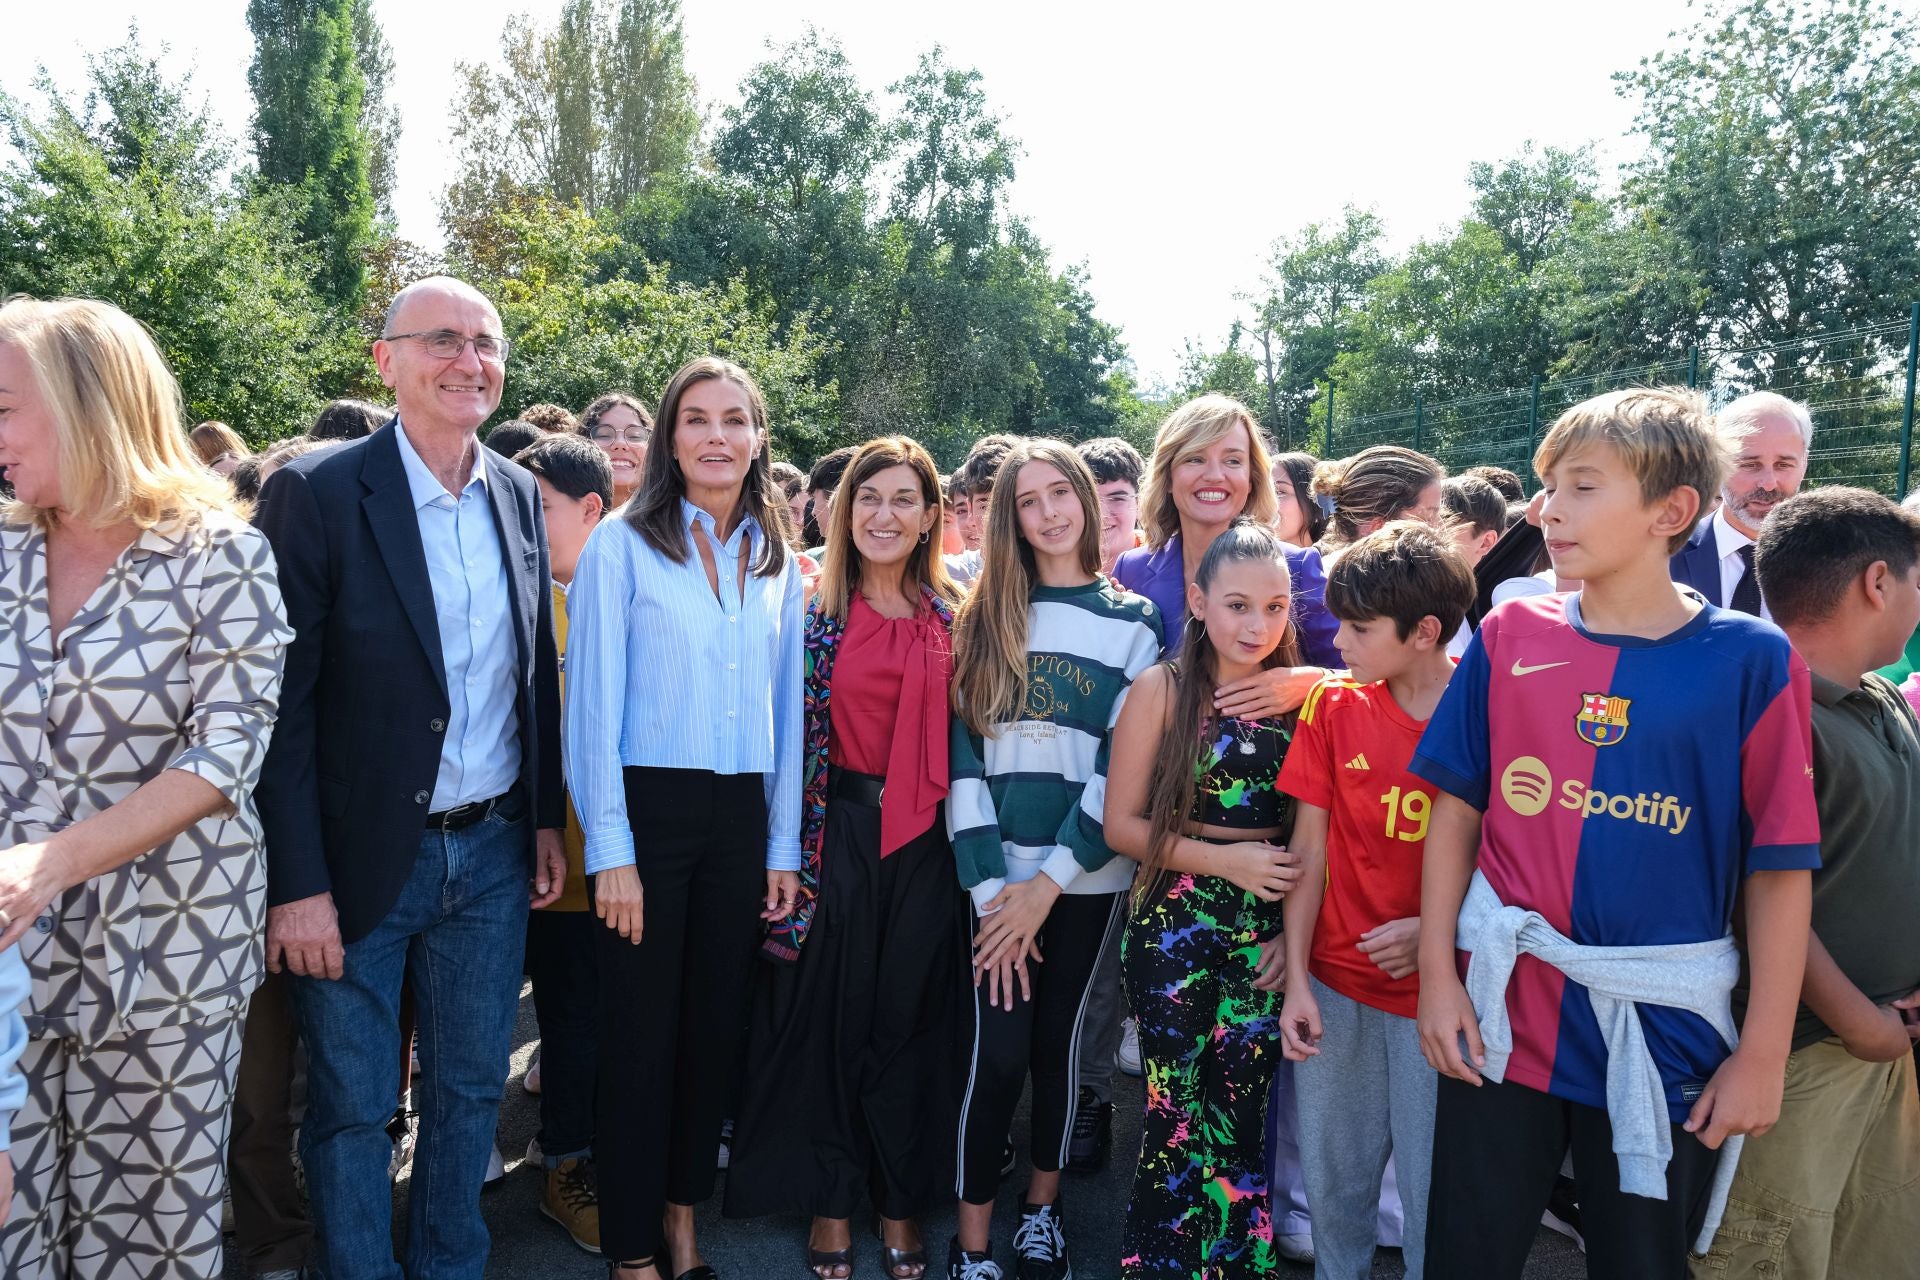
<point x="1353" y="924"/>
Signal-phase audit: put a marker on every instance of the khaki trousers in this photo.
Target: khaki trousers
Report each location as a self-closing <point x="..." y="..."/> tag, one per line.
<point x="1833" y="1190"/>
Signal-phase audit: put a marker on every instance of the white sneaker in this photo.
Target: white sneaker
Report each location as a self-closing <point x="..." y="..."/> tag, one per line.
<point x="496" y="1166"/>
<point x="535" y="1156"/>
<point x="1295" y="1248"/>
<point x="1128" y="1059"/>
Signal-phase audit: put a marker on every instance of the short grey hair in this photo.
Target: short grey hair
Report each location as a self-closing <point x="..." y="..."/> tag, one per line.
<point x="1750" y="412"/>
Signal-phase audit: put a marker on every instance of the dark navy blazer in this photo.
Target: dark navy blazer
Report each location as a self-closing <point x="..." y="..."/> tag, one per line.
<point x="344" y="792"/>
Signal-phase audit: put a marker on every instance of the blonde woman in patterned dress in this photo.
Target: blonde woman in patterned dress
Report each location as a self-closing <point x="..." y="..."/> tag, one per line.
<point x="141" y="640"/>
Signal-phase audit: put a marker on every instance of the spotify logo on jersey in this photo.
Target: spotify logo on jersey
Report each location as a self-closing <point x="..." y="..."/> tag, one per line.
<point x="1526" y="786"/>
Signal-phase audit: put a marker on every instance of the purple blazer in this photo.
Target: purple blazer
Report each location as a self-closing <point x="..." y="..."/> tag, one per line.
<point x="1157" y="575"/>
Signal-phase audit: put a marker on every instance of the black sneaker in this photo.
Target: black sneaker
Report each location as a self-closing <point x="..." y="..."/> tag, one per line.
<point x="962" y="1265"/>
<point x="1092" y="1134"/>
<point x="1563" y="1213"/>
<point x="1041" y="1243"/>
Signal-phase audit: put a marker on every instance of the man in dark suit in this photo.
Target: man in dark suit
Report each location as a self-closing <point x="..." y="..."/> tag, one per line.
<point x="1770" y="437"/>
<point x="411" y="795"/>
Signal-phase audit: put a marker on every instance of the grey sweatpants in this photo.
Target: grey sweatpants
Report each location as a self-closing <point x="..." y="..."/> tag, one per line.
<point x="1367" y="1093"/>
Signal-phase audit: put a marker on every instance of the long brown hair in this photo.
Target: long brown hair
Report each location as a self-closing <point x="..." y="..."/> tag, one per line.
<point x="1377" y="483"/>
<point x="654" y="512"/>
<point x="840" y="574"/>
<point x="1193" y="719"/>
<point x="990" y="632"/>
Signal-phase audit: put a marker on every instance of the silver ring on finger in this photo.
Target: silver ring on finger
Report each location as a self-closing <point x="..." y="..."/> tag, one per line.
<point x="6" y="920"/>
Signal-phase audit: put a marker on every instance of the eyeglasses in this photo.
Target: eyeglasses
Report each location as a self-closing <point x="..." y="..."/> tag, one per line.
<point x="613" y="435"/>
<point x="445" y="344"/>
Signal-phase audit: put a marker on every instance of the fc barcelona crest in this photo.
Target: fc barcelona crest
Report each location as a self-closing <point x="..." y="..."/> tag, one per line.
<point x="1602" y="719"/>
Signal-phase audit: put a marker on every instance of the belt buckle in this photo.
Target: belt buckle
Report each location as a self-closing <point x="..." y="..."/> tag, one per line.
<point x="452" y="816"/>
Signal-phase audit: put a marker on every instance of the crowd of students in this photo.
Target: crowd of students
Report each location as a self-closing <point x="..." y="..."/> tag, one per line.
<point x="1441" y="859"/>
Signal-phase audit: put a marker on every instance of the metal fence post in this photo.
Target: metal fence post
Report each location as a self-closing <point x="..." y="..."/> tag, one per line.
<point x="1330" y="452"/>
<point x="1533" y="422"/>
<point x="1419" y="423"/>
<point x="1693" y="367"/>
<point x="1906" y="413"/>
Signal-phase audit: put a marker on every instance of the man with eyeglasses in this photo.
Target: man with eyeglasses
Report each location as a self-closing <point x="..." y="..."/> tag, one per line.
<point x="411" y="794"/>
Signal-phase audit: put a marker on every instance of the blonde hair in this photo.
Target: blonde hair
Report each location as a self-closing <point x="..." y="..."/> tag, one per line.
<point x="990" y="632"/>
<point x="840" y="576"/>
<point x="116" y="414"/>
<point x="1199" y="424"/>
<point x="1664" y="435"/>
<point x="215" y="440"/>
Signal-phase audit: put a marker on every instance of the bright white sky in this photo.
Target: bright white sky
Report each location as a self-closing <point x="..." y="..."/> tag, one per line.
<point x="1166" y="146"/>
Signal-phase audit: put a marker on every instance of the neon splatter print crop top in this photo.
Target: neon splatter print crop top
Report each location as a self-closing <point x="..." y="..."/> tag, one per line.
<point x="1237" y="775"/>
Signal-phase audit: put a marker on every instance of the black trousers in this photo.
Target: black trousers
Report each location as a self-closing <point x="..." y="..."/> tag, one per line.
<point x="673" y="1007"/>
<point x="1496" y="1151"/>
<point x="854" y="1051"/>
<point x="1041" y="1036"/>
<point x="566" y="1004"/>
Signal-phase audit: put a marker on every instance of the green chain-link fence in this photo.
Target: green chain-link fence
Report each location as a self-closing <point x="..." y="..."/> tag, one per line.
<point x="1859" y="384"/>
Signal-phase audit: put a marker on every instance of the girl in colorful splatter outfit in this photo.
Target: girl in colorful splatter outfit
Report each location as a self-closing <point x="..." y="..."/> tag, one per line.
<point x="1193" y="796"/>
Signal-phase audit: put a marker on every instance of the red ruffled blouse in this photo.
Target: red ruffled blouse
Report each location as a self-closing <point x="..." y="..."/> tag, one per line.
<point x="889" y="714"/>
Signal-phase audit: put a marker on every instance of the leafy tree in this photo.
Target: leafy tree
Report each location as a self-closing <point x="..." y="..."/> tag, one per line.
<point x="123" y="196"/>
<point x="1783" y="164"/>
<point x="307" y="130"/>
<point x="598" y="108"/>
<point x="379" y="116"/>
<point x="577" y="331"/>
<point x="647" y="101"/>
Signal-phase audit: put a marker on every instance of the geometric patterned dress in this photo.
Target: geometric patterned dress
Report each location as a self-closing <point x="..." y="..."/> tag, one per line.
<point x="140" y="975"/>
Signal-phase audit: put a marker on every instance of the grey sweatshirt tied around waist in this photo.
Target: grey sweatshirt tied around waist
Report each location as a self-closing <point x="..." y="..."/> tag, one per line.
<point x="1695" y="976"/>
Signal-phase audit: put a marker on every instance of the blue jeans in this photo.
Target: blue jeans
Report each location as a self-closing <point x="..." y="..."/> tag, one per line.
<point x="461" y="922"/>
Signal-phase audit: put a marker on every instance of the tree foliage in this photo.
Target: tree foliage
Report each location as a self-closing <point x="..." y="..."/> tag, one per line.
<point x="308" y="134"/>
<point x="596" y="109"/>
<point x="1776" y="196"/>
<point x="125" y="195"/>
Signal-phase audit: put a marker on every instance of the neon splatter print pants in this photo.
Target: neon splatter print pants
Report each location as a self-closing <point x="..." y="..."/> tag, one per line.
<point x="1209" y="1043"/>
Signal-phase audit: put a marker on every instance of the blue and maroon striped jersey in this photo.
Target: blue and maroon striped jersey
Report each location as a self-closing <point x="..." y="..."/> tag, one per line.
<point x="1629" y="786"/>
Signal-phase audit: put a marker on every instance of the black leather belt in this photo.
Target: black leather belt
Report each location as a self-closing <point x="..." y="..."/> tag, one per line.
<point x="464" y="816"/>
<point x="856" y="788"/>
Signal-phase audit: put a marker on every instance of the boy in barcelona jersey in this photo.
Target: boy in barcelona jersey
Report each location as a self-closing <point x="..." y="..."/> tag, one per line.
<point x="1619" y="771"/>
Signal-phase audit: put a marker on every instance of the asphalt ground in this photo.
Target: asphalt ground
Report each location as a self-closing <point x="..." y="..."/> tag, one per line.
<point x="527" y="1246"/>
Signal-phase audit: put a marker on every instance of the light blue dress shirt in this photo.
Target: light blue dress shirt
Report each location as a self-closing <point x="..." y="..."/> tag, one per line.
<point x="473" y="601"/>
<point x="663" y="674"/>
<point x="15" y="986"/>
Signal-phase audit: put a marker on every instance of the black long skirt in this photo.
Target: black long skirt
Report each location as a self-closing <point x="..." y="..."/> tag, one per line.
<point x="853" y="1061"/>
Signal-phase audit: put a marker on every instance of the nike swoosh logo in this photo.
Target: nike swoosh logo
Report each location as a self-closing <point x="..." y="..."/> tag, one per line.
<point x="1545" y="666"/>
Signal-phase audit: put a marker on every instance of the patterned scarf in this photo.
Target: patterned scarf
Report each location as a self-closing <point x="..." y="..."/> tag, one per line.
<point x="785" y="936"/>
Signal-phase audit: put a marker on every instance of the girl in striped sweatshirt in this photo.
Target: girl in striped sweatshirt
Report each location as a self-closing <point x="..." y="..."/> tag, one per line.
<point x="1044" y="651"/>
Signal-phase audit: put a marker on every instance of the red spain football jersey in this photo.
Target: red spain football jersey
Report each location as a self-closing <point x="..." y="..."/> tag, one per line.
<point x="1349" y="756"/>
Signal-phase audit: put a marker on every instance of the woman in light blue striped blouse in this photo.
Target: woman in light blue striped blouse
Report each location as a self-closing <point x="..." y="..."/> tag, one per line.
<point x="683" y="741"/>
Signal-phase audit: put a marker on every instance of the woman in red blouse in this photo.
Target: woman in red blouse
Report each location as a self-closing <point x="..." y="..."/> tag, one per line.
<point x="849" y="1076"/>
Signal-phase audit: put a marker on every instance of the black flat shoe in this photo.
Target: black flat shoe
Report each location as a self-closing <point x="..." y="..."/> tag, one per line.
<point x="818" y="1258"/>
<point x="701" y="1272"/>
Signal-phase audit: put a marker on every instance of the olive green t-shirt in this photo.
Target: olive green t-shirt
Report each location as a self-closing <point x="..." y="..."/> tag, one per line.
<point x="1866" y="894"/>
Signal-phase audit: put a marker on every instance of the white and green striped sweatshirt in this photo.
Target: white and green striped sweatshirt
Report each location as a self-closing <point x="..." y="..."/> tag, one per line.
<point x="1030" y="798"/>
